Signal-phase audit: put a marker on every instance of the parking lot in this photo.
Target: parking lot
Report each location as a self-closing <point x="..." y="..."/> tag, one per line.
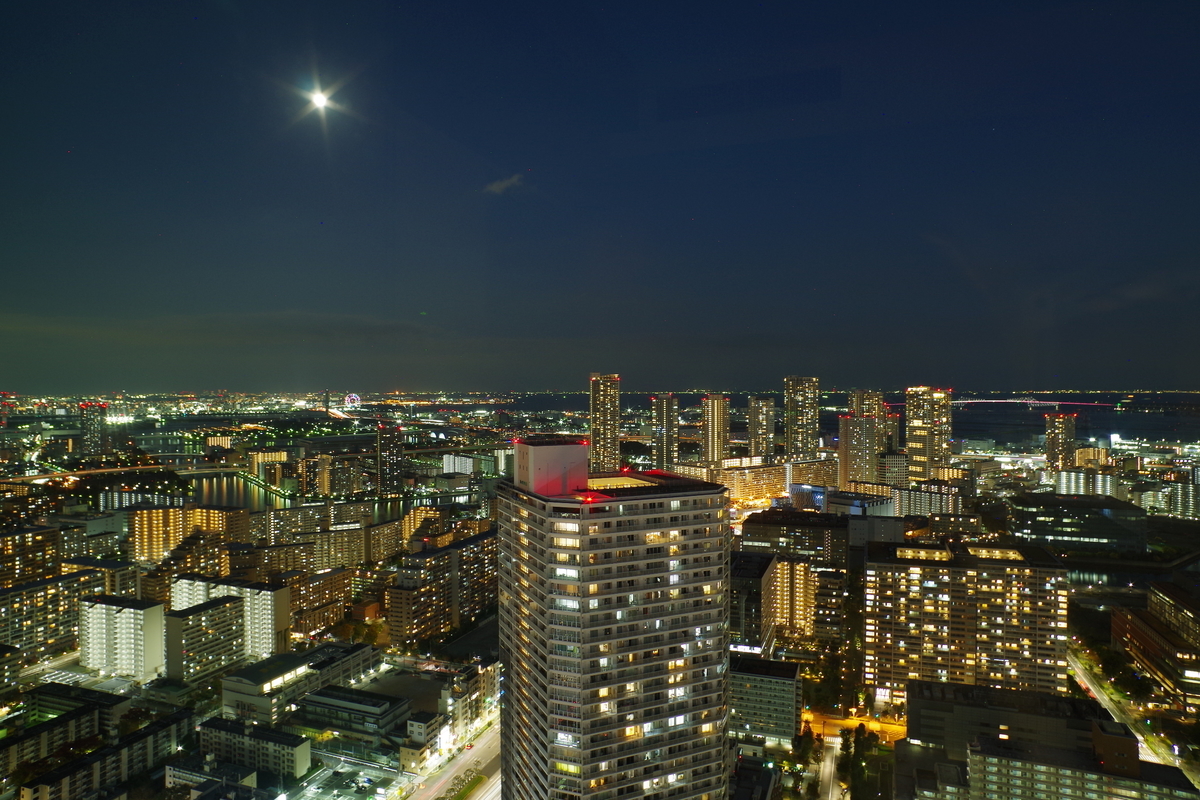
<point x="350" y="779"/>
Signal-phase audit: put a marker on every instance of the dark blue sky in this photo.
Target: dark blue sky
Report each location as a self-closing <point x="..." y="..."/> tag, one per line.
<point x="985" y="195"/>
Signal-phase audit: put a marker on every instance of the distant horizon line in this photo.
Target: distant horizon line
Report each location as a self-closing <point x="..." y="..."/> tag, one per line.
<point x="493" y="392"/>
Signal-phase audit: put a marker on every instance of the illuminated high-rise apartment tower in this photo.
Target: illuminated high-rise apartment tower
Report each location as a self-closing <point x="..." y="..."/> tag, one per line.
<point x="866" y="404"/>
<point x="1060" y="441"/>
<point x="615" y="640"/>
<point x="862" y="436"/>
<point x="760" y="423"/>
<point x="800" y="417"/>
<point x="926" y="431"/>
<point x="715" y="429"/>
<point x="859" y="446"/>
<point x="94" y="422"/>
<point x="390" y="462"/>
<point x="665" y="443"/>
<point x="606" y="422"/>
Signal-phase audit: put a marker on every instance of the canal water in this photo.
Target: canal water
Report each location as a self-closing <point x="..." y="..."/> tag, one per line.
<point x="233" y="490"/>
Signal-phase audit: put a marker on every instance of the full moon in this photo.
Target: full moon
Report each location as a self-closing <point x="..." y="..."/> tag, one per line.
<point x="320" y="100"/>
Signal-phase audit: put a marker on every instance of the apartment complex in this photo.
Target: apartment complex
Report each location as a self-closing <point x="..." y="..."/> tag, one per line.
<point x="122" y="636"/>
<point x="991" y="616"/>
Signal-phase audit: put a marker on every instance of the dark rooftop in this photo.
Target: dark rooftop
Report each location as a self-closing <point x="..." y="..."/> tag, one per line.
<point x="750" y="564"/>
<point x="260" y="732"/>
<point x="356" y="696"/>
<point x="207" y="605"/>
<point x="1021" y="701"/>
<point x="65" y="690"/>
<point x="1072" y="501"/>
<point x="120" y="601"/>
<point x="789" y="518"/>
<point x="765" y="667"/>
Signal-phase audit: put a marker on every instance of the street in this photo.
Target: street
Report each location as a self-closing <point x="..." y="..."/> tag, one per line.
<point x="484" y="756"/>
<point x="830" y="728"/>
<point x="831" y="789"/>
<point x="1093" y="685"/>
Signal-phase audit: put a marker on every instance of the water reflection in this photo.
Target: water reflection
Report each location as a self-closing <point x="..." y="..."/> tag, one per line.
<point x="236" y="491"/>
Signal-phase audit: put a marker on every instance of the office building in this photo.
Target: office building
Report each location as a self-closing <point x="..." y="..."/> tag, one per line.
<point x="760" y="427"/>
<point x="122" y="636"/>
<point x="93" y="419"/>
<point x="714" y="430"/>
<point x="987" y="616"/>
<point x="765" y="701"/>
<point x="801" y="418"/>
<point x="614" y="631"/>
<point x="1163" y="640"/>
<point x="1077" y="522"/>
<point x="267" y="609"/>
<point x="1060" y="441"/>
<point x="205" y="640"/>
<point x="665" y="435"/>
<point x="1088" y="480"/>
<point x="605" y="422"/>
<point x="893" y="469"/>
<point x="352" y="712"/>
<point x="263" y="691"/>
<point x="926" y="431"/>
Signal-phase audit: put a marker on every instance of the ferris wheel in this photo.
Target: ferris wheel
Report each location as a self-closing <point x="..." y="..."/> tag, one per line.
<point x="352" y="401"/>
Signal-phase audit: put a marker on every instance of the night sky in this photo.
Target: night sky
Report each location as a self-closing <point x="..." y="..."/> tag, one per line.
<point x="511" y="195"/>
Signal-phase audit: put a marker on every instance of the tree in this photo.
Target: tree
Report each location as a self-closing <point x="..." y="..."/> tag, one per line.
<point x="803" y="744"/>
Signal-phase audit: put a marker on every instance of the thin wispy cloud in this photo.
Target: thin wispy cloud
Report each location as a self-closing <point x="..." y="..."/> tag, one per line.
<point x="502" y="186"/>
